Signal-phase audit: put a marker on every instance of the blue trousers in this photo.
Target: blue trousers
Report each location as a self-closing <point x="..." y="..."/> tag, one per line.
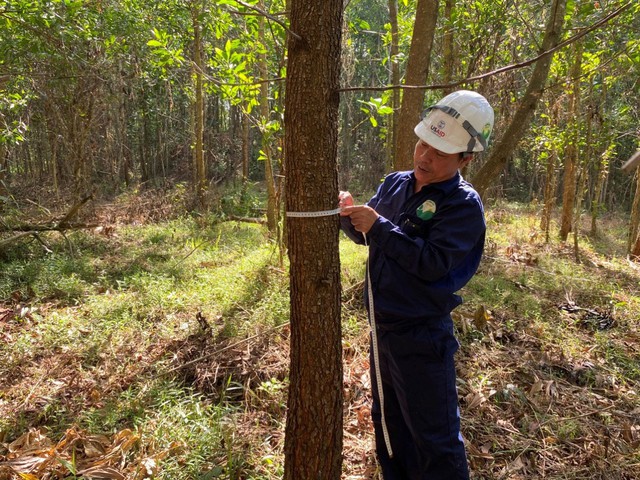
<point x="420" y="403"/>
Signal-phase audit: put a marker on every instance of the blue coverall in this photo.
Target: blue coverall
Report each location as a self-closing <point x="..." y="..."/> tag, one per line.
<point x="424" y="247"/>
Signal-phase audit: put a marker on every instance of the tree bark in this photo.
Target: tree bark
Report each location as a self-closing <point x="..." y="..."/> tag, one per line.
<point x="395" y="80"/>
<point x="272" y="204"/>
<point x="634" y="226"/>
<point x="313" y="442"/>
<point x="501" y="152"/>
<point x="572" y="150"/>
<point x="417" y="71"/>
<point x="198" y="126"/>
<point x="447" y="47"/>
<point x="635" y="251"/>
<point x="549" y="196"/>
<point x="245" y="147"/>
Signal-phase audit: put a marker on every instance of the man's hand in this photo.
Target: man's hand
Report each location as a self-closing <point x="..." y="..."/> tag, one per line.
<point x="362" y="216"/>
<point x="345" y="200"/>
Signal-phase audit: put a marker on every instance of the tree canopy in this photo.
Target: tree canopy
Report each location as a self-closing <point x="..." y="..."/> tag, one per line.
<point x="102" y="95"/>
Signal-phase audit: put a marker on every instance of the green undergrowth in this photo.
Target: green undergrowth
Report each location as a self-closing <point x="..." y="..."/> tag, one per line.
<point x="94" y="319"/>
<point x="95" y="328"/>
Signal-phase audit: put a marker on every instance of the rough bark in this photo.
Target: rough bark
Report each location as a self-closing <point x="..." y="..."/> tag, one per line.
<point x="245" y="147"/>
<point x="549" y="196"/>
<point x="417" y="71"/>
<point x="198" y="126"/>
<point x="395" y="80"/>
<point x="447" y="47"/>
<point x="501" y="152"/>
<point x="313" y="442"/>
<point x="634" y="226"/>
<point x="635" y="251"/>
<point x="572" y="151"/>
<point x="272" y="204"/>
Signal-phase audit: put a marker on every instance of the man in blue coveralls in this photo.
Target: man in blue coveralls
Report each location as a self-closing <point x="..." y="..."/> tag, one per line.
<point x="425" y="229"/>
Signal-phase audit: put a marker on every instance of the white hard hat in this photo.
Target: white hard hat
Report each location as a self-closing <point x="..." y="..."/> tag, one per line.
<point x="460" y="122"/>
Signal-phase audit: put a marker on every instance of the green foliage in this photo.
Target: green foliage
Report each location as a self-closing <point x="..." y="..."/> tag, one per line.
<point x="13" y="127"/>
<point x="165" y="55"/>
<point x="119" y="313"/>
<point x="375" y="107"/>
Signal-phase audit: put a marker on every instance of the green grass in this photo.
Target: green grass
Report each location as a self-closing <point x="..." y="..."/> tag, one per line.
<point x="99" y="327"/>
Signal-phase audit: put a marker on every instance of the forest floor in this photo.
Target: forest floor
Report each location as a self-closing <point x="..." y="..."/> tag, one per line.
<point x="156" y="346"/>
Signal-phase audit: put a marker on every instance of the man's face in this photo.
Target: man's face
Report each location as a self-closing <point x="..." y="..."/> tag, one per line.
<point x="431" y="165"/>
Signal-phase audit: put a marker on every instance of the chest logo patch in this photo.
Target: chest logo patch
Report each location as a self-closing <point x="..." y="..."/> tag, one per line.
<point x="426" y="210"/>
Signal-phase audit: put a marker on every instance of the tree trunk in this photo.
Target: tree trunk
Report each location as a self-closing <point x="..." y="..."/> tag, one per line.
<point x="549" y="195"/>
<point x="601" y="151"/>
<point x="501" y="152"/>
<point x="395" y="80"/>
<point x="4" y="169"/>
<point x="572" y="151"/>
<point x="633" y="246"/>
<point x="635" y="251"/>
<point x="313" y="442"/>
<point x="447" y="46"/>
<point x="245" y="147"/>
<point x="198" y="114"/>
<point x="272" y="204"/>
<point x="417" y="71"/>
<point x="577" y="216"/>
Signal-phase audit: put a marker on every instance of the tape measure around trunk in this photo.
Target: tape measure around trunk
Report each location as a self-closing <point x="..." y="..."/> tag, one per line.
<point x="323" y="213"/>
<point x="376" y="357"/>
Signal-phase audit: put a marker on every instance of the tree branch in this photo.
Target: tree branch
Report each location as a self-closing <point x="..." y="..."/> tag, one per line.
<point x="270" y="17"/>
<point x="507" y="68"/>
<point x="60" y="226"/>
<point x="65" y="220"/>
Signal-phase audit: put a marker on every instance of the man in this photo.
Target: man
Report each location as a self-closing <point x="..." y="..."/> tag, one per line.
<point x="425" y="230"/>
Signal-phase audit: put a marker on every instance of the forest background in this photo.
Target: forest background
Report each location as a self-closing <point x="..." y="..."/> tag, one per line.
<point x="118" y="102"/>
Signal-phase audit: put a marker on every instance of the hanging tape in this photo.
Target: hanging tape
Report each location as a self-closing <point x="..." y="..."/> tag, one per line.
<point x="323" y="213"/>
<point x="376" y="356"/>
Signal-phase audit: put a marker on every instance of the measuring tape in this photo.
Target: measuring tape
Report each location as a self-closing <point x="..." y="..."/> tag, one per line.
<point x="322" y="213"/>
<point x="372" y="321"/>
<point x="376" y="356"/>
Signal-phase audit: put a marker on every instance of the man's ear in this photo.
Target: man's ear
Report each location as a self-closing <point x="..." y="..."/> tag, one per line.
<point x="466" y="159"/>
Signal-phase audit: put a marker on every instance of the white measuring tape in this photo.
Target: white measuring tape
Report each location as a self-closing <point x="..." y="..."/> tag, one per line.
<point x="372" y="320"/>
<point x="376" y="356"/>
<point x="322" y="213"/>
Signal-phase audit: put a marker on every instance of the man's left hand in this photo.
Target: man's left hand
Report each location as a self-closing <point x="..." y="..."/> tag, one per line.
<point x="362" y="217"/>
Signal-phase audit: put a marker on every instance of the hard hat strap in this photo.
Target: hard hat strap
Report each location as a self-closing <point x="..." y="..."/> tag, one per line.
<point x="465" y="124"/>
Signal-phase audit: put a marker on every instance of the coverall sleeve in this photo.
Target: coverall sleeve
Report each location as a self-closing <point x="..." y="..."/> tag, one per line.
<point x="453" y="233"/>
<point x="347" y="227"/>
<point x="352" y="233"/>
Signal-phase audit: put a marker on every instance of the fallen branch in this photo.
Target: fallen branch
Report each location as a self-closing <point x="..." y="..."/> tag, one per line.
<point x="259" y="220"/>
<point x="63" y="224"/>
<point x="27" y="229"/>
<point x="17" y="237"/>
<point x="71" y="213"/>
<point x="30" y="228"/>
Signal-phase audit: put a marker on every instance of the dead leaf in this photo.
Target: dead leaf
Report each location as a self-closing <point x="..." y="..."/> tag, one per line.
<point x="536" y="387"/>
<point x="482" y="318"/>
<point x="474" y="399"/>
<point x="27" y="464"/>
<point x="95" y="446"/>
<point x="32" y="440"/>
<point x="102" y="473"/>
<point x="27" y="476"/>
<point x="516" y="465"/>
<point x="6" y="314"/>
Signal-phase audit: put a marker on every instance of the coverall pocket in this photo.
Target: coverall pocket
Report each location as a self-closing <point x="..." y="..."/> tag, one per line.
<point x="414" y="226"/>
<point x="421" y="342"/>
